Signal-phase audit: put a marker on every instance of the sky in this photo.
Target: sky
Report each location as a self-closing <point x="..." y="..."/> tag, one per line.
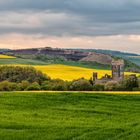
<point x="96" y="24"/>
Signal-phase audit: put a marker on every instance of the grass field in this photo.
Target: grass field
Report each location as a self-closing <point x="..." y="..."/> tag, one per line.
<point x="72" y="72"/>
<point x="69" y="116"/>
<point x="18" y="61"/>
<point x="5" y="56"/>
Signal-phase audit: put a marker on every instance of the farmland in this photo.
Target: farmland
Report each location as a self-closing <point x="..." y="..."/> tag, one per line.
<point x="6" y="57"/>
<point x="72" y="72"/>
<point x="60" y="71"/>
<point x="79" y="116"/>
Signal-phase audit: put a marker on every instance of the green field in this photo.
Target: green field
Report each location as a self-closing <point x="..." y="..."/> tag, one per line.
<point x="69" y="116"/>
<point x="21" y="61"/>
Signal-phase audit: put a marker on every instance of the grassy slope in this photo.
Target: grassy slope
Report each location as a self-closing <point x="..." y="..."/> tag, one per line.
<point x="41" y="116"/>
<point x="37" y="62"/>
<point x="21" y="61"/>
<point x="135" y="60"/>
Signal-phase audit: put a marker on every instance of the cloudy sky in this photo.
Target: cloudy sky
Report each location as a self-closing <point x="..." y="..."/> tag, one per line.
<point x="100" y="24"/>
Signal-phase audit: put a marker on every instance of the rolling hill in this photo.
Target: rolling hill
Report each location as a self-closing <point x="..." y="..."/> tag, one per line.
<point x="85" y="58"/>
<point x="98" y="57"/>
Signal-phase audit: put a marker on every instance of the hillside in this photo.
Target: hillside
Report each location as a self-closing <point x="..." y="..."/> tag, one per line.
<point x="20" y="61"/>
<point x="134" y="58"/>
<point x="84" y="58"/>
<point x="66" y="116"/>
<point x="99" y="58"/>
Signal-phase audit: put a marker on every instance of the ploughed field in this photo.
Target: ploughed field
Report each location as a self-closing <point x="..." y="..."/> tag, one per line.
<point x="69" y="116"/>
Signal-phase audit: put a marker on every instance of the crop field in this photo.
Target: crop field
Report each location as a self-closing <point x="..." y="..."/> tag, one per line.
<point x="69" y="116"/>
<point x="6" y="57"/>
<point x="72" y="72"/>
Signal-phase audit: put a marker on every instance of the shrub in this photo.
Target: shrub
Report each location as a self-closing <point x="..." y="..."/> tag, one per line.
<point x="98" y="87"/>
<point x="7" y="86"/>
<point x="34" y="86"/>
<point x="81" y="85"/>
<point x="139" y="82"/>
<point x="23" y="85"/>
<point x="129" y="83"/>
<point x="46" y="85"/>
<point x="111" y="86"/>
<point x="59" y="85"/>
<point x="55" y="84"/>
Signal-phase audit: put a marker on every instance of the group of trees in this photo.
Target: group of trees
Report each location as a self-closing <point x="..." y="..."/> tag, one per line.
<point x="17" y="78"/>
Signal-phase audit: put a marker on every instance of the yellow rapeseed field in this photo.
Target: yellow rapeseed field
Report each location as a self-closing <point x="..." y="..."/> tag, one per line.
<point x="71" y="72"/>
<point x="5" y="56"/>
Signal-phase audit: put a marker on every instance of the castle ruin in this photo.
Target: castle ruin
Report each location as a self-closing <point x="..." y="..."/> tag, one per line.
<point x="117" y="67"/>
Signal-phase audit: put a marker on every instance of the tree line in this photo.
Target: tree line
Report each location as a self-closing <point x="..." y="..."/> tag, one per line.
<point x="18" y="78"/>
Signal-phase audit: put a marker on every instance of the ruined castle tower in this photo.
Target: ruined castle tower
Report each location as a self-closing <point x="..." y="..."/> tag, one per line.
<point x="117" y="67"/>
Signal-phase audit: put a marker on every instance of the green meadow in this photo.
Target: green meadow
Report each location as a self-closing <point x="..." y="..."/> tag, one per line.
<point x="69" y="116"/>
<point x="20" y="61"/>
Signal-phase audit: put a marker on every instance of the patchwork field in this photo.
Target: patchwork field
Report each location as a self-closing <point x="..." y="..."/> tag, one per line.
<point x="60" y="71"/>
<point x="72" y="72"/>
<point x="69" y="116"/>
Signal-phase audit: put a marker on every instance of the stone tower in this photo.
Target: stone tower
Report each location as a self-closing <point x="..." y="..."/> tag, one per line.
<point x="117" y="67"/>
<point x="95" y="76"/>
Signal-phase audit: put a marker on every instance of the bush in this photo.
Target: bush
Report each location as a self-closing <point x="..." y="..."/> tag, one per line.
<point x="34" y="86"/>
<point x="59" y="85"/>
<point x="139" y="82"/>
<point x="81" y="85"/>
<point x="46" y="85"/>
<point x="98" y="87"/>
<point x="56" y="84"/>
<point x="7" y="86"/>
<point x="129" y="83"/>
<point x="111" y="86"/>
<point x="23" y="85"/>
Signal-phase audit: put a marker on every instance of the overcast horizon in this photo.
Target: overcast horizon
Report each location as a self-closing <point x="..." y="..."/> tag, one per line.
<point x="88" y="24"/>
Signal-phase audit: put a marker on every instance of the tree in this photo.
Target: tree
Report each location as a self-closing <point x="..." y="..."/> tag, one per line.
<point x="59" y="85"/>
<point x="34" y="86"/>
<point x="7" y="86"/>
<point x="23" y="85"/>
<point x="81" y="85"/>
<point x="130" y="82"/>
<point x="55" y="84"/>
<point x="20" y="73"/>
<point x="111" y="86"/>
<point x="98" y="87"/>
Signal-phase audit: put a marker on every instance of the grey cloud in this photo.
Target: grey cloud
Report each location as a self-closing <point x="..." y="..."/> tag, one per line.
<point x="70" y="17"/>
